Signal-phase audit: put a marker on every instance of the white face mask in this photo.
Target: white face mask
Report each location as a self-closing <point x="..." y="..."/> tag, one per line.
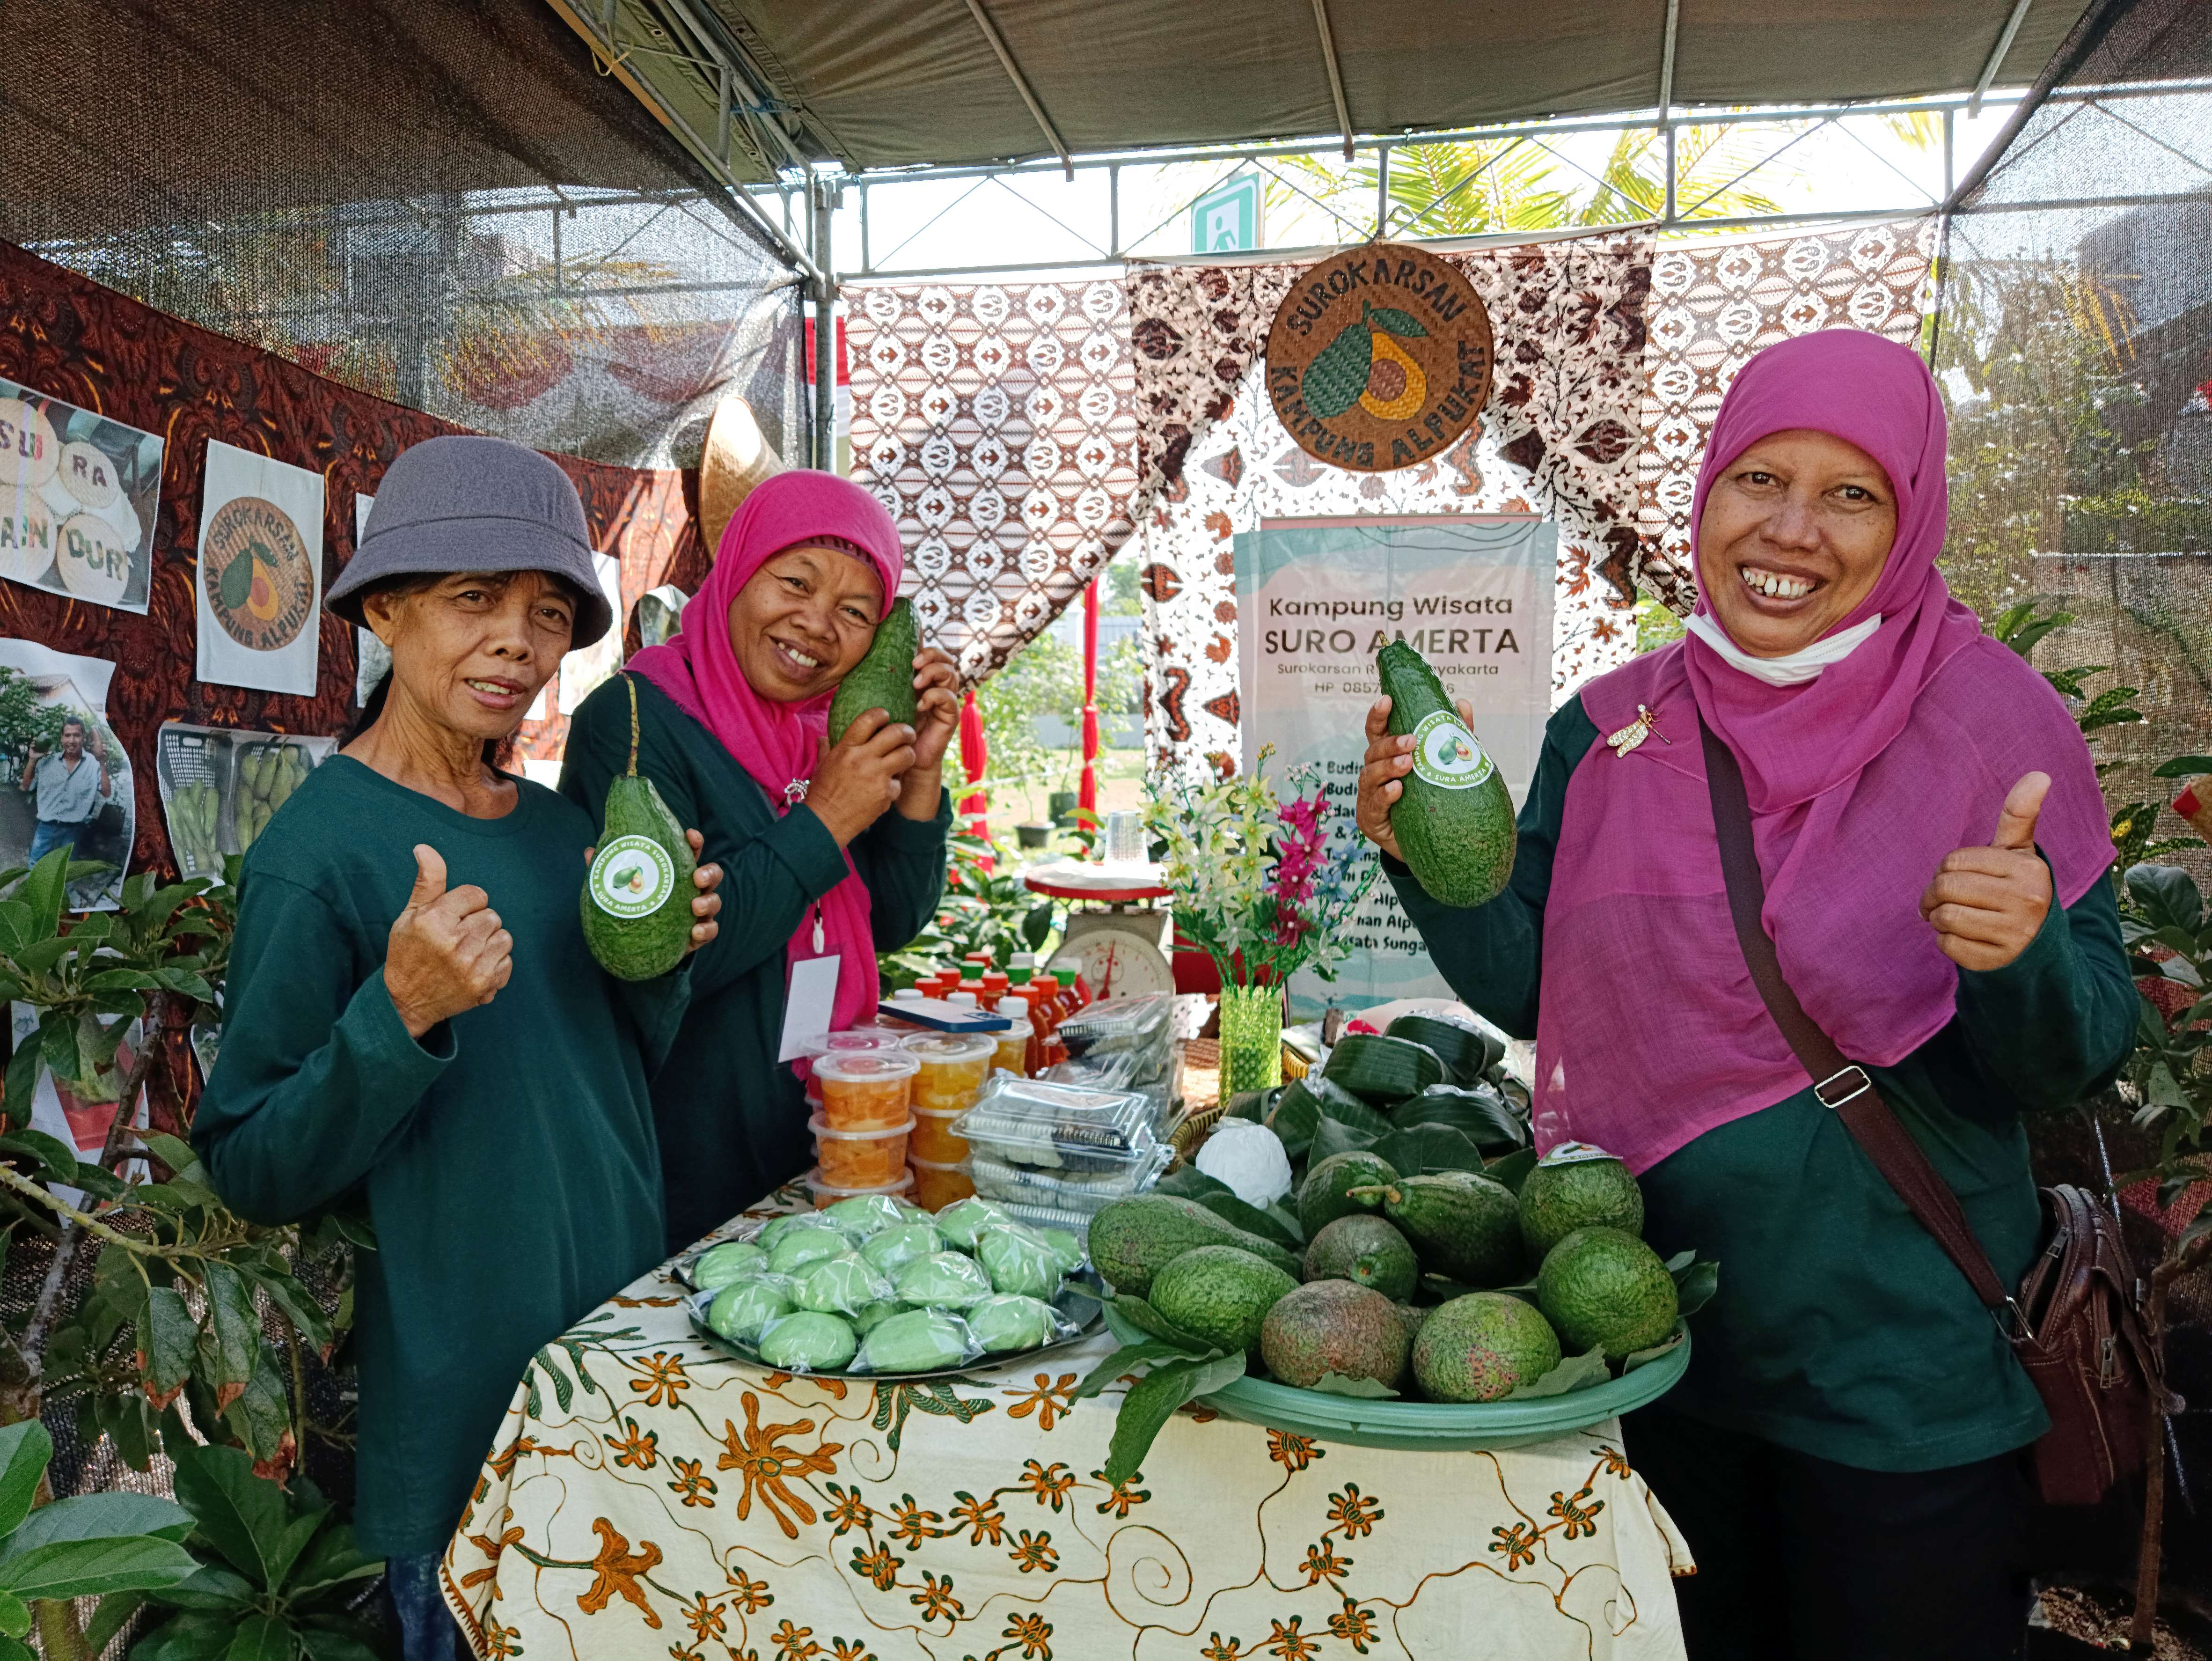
<point x="1797" y="668"/>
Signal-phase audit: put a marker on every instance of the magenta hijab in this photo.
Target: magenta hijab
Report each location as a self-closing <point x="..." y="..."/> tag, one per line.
<point x="1650" y="1032"/>
<point x="779" y="743"/>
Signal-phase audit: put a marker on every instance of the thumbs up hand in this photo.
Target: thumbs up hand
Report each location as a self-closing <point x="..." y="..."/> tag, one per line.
<point x="1986" y="904"/>
<point x="447" y="951"/>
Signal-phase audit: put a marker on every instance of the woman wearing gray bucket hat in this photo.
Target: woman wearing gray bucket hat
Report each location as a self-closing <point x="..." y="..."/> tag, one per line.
<point x="413" y="1019"/>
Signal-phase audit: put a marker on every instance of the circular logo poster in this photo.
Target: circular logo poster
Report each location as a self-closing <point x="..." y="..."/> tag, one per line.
<point x="630" y="877"/>
<point x="1379" y="357"/>
<point x="253" y="565"/>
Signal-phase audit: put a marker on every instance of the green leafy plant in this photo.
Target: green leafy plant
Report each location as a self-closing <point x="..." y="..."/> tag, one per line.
<point x="986" y="907"/>
<point x="182" y="1290"/>
<point x="276" y="1570"/>
<point x="112" y="1546"/>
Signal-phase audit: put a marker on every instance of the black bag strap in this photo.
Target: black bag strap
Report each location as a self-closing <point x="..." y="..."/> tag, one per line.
<point x="1841" y="1086"/>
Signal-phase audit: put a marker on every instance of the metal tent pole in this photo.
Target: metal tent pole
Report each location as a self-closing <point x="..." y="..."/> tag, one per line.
<point x="1086" y="788"/>
<point x="824" y="198"/>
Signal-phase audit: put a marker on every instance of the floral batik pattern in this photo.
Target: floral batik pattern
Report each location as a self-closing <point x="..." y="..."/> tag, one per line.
<point x="650" y="1498"/>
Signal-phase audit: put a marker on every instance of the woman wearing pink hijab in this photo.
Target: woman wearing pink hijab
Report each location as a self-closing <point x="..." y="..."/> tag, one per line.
<point x="827" y="850"/>
<point x="1844" y="1455"/>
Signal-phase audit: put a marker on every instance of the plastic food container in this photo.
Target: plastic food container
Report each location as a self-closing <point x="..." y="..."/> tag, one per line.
<point x="827" y="1193"/>
<point x="1011" y="1051"/>
<point x="934" y="1137"/>
<point x="859" y="1159"/>
<point x="952" y="1068"/>
<point x="1059" y="1126"/>
<point x="865" y="1089"/>
<point x="937" y="1185"/>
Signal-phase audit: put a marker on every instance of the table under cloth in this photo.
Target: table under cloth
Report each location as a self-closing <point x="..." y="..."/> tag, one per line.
<point x="650" y="1496"/>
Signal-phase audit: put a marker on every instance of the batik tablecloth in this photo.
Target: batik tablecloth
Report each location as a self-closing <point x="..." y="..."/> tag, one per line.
<point x="648" y="1497"/>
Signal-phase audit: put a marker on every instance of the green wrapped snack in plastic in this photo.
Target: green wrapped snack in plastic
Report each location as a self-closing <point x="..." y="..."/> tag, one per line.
<point x="1067" y="1254"/>
<point x="918" y="1340"/>
<point x="866" y="1215"/>
<point x="840" y="1286"/>
<point x="873" y="1316"/>
<point x="1006" y="1323"/>
<point x="732" y="1260"/>
<point x="806" y="1246"/>
<point x="963" y="1220"/>
<point x="807" y="1342"/>
<point x="792" y="1222"/>
<point x="943" y="1280"/>
<point x="895" y="1248"/>
<point x="742" y="1308"/>
<point x="1017" y="1260"/>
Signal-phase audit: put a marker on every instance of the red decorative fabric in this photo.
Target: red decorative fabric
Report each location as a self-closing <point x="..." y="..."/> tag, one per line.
<point x="65" y="334"/>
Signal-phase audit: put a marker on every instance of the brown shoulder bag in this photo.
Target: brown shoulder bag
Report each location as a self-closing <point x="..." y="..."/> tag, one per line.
<point x="2072" y="1323"/>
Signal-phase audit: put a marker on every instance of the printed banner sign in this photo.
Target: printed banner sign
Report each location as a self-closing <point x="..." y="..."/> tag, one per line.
<point x="1316" y="598"/>
<point x="221" y="785"/>
<point x="68" y="779"/>
<point x="78" y="496"/>
<point x="260" y="572"/>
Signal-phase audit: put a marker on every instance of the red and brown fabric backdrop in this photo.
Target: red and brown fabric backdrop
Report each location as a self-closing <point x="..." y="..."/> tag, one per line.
<point x="65" y="335"/>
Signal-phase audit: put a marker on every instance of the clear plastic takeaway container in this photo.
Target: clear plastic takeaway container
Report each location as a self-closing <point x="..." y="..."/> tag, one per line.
<point x="1058" y="1146"/>
<point x="864" y="1089"/>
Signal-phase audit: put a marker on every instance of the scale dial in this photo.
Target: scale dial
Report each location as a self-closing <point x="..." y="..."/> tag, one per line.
<point x="1118" y="954"/>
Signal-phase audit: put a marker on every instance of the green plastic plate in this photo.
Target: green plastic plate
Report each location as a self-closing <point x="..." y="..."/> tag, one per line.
<point x="1434" y="1426"/>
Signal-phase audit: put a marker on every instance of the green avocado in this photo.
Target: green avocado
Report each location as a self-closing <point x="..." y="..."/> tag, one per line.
<point x="1462" y="1226"/>
<point x="1604" y="1288"/>
<point x="1131" y="1240"/>
<point x="1482" y="1348"/>
<point x="1334" y="1326"/>
<point x="636" y="902"/>
<point x="1220" y="1293"/>
<point x="884" y="678"/>
<point x="1365" y="1249"/>
<point x="1454" y="822"/>
<point x="1557" y="1199"/>
<point x="1323" y="1197"/>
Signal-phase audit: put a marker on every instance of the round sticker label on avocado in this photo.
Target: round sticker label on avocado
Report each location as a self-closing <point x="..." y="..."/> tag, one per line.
<point x="631" y="877"/>
<point x="1446" y="754"/>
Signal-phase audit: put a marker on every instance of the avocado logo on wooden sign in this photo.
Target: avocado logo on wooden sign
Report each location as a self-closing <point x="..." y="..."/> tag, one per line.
<point x="1379" y="357"/>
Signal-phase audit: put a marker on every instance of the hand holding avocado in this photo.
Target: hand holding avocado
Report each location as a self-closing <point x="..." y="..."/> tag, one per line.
<point x="937" y="707"/>
<point x="705" y="903"/>
<point x="448" y="951"/>
<point x="859" y="777"/>
<point x="1986" y="904"/>
<point x="1390" y="759"/>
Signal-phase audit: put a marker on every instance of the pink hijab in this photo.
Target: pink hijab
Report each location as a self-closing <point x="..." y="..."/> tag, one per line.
<point x="1650" y="1032"/>
<point x="779" y="743"/>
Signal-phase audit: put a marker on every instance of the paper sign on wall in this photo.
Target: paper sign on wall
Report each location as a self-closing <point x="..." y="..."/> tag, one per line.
<point x="1316" y="600"/>
<point x="78" y="496"/>
<point x="260" y="582"/>
<point x="57" y="798"/>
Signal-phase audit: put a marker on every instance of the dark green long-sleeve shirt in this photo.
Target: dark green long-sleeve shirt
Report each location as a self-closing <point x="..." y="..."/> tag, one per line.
<point x="732" y="1119"/>
<point x="507" y="1159"/>
<point x="1840" y="1328"/>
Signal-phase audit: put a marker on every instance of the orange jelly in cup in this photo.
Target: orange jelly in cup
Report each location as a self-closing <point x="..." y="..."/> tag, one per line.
<point x="865" y="1089"/>
<point x="953" y="1066"/>
<point x="936" y="1186"/>
<point x="860" y="1159"/>
<point x="933" y="1135"/>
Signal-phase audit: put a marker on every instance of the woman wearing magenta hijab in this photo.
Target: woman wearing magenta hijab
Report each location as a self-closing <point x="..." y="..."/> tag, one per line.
<point x="1844" y="1454"/>
<point x="829" y="850"/>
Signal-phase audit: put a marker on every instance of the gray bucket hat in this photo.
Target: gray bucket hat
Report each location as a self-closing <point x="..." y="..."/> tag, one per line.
<point x="465" y="503"/>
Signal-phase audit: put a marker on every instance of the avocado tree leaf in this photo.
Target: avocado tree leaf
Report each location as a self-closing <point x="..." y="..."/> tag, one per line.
<point x="1429" y="1147"/>
<point x="1128" y="1359"/>
<point x="334" y="1560"/>
<point x="54" y="1159"/>
<point x="2167" y="896"/>
<point x="1695" y="1286"/>
<point x="261" y="1637"/>
<point x="22" y="1082"/>
<point x="1146" y="1319"/>
<point x="1513" y="1170"/>
<point x="2184" y="767"/>
<point x="1575" y="1373"/>
<point x="261" y="1416"/>
<point x="327" y="1642"/>
<point x="234" y="1336"/>
<point x="168" y="1338"/>
<point x="1249" y="1218"/>
<point x="113" y="1614"/>
<point x="1337" y="1383"/>
<point x="100" y="1516"/>
<point x="1392" y="320"/>
<point x="1145" y="1409"/>
<point x="1681" y="1261"/>
<point x="15" y="1615"/>
<point x="25" y="1447"/>
<point x="1645" y="1357"/>
<point x="41" y="892"/>
<point x="195" y="1635"/>
<point x="213" y="1588"/>
<point x="87" y="1568"/>
<point x="238" y="1513"/>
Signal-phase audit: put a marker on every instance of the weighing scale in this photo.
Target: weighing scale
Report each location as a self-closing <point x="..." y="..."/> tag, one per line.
<point x="1115" y="943"/>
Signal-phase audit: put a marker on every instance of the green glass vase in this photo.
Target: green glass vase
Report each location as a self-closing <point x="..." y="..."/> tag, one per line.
<point x="1251" y="1039"/>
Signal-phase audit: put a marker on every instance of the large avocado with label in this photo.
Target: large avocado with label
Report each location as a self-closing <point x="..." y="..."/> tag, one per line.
<point x="1454" y="821"/>
<point x="636" y="901"/>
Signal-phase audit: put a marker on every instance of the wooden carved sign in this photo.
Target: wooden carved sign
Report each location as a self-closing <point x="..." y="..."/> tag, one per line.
<point x="1379" y="357"/>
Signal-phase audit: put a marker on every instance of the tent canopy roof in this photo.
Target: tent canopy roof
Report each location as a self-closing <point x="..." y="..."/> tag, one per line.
<point x="886" y="83"/>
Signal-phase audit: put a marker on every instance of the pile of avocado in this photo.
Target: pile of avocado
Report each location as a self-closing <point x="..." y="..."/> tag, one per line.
<point x="1425" y="1249"/>
<point x="874" y="1284"/>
